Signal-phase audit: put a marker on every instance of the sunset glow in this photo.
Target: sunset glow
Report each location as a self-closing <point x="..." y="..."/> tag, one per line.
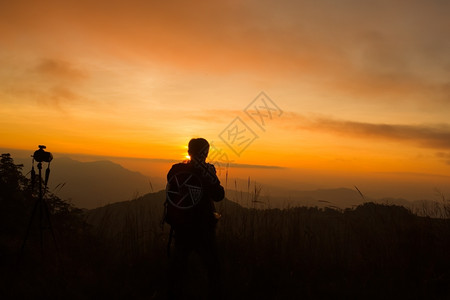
<point x="362" y="90"/>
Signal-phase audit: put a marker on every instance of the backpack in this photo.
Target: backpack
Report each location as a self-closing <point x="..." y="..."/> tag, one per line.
<point x="184" y="192"/>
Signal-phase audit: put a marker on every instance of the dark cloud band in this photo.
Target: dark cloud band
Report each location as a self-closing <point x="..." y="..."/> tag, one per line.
<point x="429" y="136"/>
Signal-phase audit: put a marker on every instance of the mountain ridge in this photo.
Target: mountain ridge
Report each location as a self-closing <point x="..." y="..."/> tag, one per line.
<point x="93" y="184"/>
<point x="97" y="183"/>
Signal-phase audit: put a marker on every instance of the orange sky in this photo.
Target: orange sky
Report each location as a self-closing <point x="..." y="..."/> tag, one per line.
<point x="364" y="87"/>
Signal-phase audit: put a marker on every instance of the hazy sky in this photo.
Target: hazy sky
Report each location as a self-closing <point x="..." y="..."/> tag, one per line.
<point x="363" y="86"/>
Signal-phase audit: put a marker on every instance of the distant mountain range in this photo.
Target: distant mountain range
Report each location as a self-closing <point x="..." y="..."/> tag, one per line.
<point x="93" y="184"/>
<point x="338" y="198"/>
<point x="335" y="198"/>
<point x="96" y="184"/>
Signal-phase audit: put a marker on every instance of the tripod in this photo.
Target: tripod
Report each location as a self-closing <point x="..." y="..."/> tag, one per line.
<point x="41" y="206"/>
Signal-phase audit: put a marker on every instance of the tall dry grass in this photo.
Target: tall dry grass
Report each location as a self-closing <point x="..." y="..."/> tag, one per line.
<point x="372" y="251"/>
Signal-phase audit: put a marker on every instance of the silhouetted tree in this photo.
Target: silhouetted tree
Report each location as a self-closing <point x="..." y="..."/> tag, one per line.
<point x="17" y="198"/>
<point x="11" y="178"/>
<point x="13" y="195"/>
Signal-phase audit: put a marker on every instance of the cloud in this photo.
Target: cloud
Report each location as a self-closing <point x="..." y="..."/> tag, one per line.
<point x="362" y="49"/>
<point x="444" y="157"/>
<point x="49" y="82"/>
<point x="56" y="96"/>
<point x="428" y="136"/>
<point x="59" y="95"/>
<point x="60" y="69"/>
<point x="263" y="35"/>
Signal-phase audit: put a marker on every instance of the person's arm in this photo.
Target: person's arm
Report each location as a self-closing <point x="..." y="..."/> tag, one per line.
<point x="216" y="191"/>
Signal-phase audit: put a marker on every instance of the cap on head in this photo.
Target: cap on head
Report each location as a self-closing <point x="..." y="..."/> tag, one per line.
<point x="198" y="148"/>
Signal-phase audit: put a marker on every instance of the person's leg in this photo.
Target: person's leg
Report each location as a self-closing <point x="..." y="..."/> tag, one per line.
<point x="208" y="252"/>
<point x="178" y="265"/>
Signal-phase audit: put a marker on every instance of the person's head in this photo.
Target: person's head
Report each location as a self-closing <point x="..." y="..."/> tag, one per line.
<point x="198" y="149"/>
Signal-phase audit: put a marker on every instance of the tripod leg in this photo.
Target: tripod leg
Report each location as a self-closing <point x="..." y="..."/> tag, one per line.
<point x="28" y="228"/>
<point x="41" y="228"/>
<point x="50" y="226"/>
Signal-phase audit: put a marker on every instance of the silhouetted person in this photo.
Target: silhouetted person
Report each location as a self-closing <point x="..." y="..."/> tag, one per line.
<point x="193" y="187"/>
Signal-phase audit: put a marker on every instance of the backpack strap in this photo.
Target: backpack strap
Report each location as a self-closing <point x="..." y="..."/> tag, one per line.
<point x="170" y="241"/>
<point x="164" y="216"/>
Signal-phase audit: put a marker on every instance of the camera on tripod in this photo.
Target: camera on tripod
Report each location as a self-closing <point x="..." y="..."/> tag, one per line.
<point x="41" y="155"/>
<point x="40" y="207"/>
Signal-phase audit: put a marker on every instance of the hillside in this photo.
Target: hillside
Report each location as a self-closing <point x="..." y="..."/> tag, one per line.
<point x="145" y="212"/>
<point x="119" y="251"/>
<point x="373" y="251"/>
